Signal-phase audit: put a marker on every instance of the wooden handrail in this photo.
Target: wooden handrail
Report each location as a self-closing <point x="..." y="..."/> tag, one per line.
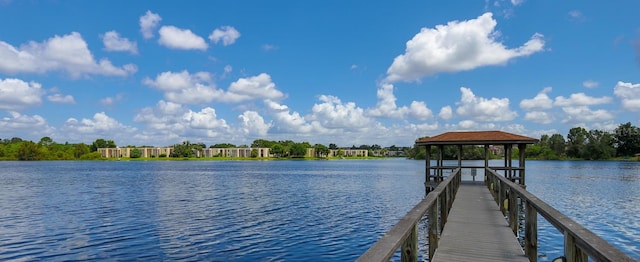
<point x="579" y="241"/>
<point x="404" y="233"/>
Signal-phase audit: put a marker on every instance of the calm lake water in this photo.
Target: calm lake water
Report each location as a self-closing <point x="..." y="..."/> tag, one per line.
<point x="265" y="210"/>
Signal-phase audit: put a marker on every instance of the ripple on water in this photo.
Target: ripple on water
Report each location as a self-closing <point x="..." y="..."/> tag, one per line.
<point x="261" y="211"/>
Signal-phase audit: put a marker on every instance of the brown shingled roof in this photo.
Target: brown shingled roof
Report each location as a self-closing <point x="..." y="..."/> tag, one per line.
<point x="476" y="138"/>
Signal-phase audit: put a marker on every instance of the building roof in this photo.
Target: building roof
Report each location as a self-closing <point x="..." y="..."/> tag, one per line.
<point x="476" y="138"/>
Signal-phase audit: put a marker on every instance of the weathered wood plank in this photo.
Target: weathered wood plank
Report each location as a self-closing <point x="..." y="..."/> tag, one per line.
<point x="476" y="230"/>
<point x="588" y="243"/>
<point x="531" y="232"/>
<point x="386" y="246"/>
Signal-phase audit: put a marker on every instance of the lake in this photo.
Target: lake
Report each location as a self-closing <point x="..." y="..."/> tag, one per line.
<point x="266" y="210"/>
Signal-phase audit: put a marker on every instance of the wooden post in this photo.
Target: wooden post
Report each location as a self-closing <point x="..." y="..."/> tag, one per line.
<point x="486" y="161"/>
<point x="510" y="162"/>
<point x="522" y="148"/>
<point x="571" y="251"/>
<point x="433" y="230"/>
<point x="502" y="195"/>
<point x="459" y="155"/>
<point x="427" y="178"/>
<point x="531" y="232"/>
<point x="410" y="246"/>
<point x="513" y="212"/>
<point x="440" y="162"/>
<point x="444" y="207"/>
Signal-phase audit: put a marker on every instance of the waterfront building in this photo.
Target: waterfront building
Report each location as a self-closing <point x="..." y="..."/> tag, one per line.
<point x="156" y="152"/>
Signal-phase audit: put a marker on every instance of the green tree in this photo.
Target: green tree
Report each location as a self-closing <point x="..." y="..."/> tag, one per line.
<point x="599" y="145"/>
<point x="101" y="143"/>
<point x="333" y="146"/>
<point x="29" y="151"/>
<point x="298" y="150"/>
<point x="254" y="153"/>
<point x="627" y="139"/>
<point x="91" y="156"/>
<point x="261" y="143"/>
<point x="46" y="141"/>
<point x="577" y="140"/>
<point x="223" y="145"/>
<point x="135" y="153"/>
<point x="278" y="150"/>
<point x="321" y="150"/>
<point x="557" y="144"/>
<point x="544" y="140"/>
<point x="80" y="150"/>
<point x="182" y="150"/>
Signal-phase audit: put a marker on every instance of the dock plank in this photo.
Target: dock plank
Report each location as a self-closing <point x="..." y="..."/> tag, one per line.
<point x="476" y="229"/>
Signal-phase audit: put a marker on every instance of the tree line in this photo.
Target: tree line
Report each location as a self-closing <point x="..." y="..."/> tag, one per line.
<point x="46" y="149"/>
<point x="623" y="142"/>
<point x="594" y="144"/>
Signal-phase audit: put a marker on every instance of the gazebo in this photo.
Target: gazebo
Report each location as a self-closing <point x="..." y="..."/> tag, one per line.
<point x="434" y="174"/>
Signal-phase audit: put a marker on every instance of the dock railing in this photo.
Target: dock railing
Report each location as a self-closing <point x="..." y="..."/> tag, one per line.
<point x="580" y="244"/>
<point x="405" y="233"/>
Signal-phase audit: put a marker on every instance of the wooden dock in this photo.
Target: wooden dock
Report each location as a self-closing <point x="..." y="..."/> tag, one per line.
<point x="476" y="230"/>
<point x="466" y="220"/>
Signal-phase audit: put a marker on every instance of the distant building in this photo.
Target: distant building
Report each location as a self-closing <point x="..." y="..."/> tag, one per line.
<point x="236" y="152"/>
<point x="496" y="150"/>
<point x="154" y="152"/>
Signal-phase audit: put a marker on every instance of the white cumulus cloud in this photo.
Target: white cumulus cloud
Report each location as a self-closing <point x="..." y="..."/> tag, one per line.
<point x="252" y="123"/>
<point x="114" y="42"/>
<point x="457" y="46"/>
<point x="582" y="114"/>
<point x="62" y="99"/>
<point x="539" y="102"/>
<point x="99" y="126"/>
<point x="178" y="38"/>
<point x="68" y="53"/>
<point x="286" y="121"/>
<point x="539" y="117"/>
<point x="255" y="87"/>
<point x="483" y="109"/>
<point x="446" y="112"/>
<point x="148" y="22"/>
<point x="205" y="119"/>
<point x="34" y="126"/>
<point x="185" y="88"/>
<point x="17" y="94"/>
<point x="227" y="34"/>
<point x="581" y="99"/>
<point x="173" y="121"/>
<point x="629" y="94"/>
<point x="386" y="106"/>
<point x="332" y="113"/>
<point x="419" y="110"/>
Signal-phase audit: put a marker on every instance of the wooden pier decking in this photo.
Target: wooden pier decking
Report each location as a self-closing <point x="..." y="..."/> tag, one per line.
<point x="476" y="230"/>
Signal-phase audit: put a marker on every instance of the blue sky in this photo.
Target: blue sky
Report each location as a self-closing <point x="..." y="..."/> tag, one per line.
<point x="344" y="72"/>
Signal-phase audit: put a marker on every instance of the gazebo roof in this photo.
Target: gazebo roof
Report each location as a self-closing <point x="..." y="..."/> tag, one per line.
<point x="476" y="138"/>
